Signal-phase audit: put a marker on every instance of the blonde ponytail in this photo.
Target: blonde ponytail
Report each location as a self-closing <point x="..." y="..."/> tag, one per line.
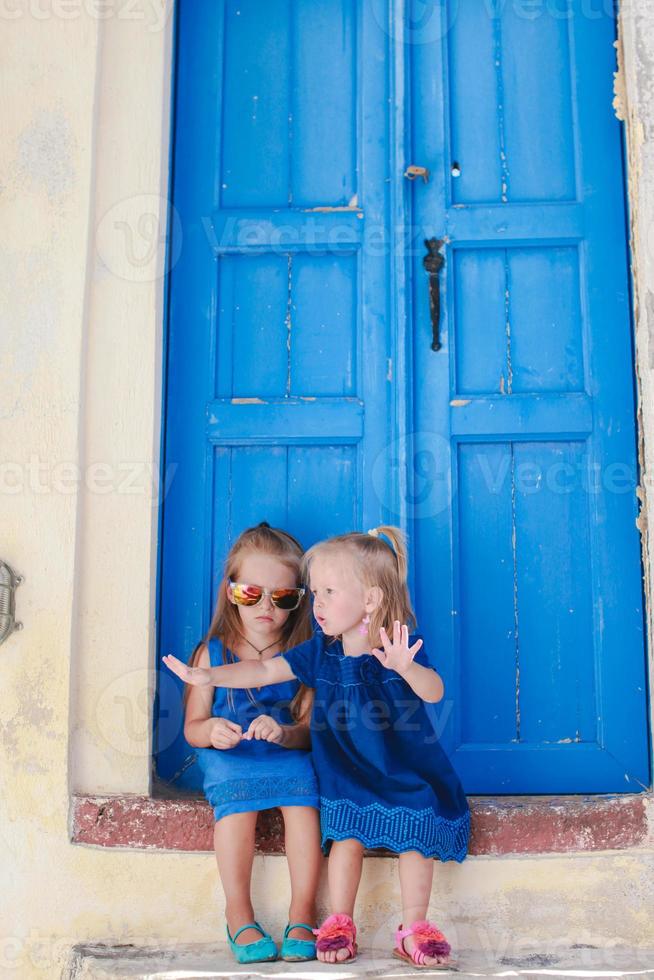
<point x="397" y="539"/>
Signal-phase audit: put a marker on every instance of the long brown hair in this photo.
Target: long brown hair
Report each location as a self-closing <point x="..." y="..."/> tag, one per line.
<point x="225" y="623"/>
<point x="376" y="563"/>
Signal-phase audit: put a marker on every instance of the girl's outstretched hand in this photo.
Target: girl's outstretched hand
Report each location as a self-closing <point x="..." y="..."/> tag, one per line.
<point x="397" y="655"/>
<point x="197" y="676"/>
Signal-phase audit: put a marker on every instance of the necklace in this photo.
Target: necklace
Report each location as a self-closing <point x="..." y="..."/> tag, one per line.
<point x="257" y="648"/>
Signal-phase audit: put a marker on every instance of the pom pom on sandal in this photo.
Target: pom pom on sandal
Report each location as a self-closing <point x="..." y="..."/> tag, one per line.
<point x="430" y="942"/>
<point x="337" y="932"/>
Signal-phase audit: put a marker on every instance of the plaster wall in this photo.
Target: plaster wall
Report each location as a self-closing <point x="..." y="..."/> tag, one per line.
<point x="84" y="163"/>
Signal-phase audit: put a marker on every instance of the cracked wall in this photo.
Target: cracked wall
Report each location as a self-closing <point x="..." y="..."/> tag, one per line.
<point x="83" y="154"/>
<point x="634" y="104"/>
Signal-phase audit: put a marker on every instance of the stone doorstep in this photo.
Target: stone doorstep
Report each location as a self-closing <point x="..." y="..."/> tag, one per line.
<point x="186" y="962"/>
<point x="499" y="825"/>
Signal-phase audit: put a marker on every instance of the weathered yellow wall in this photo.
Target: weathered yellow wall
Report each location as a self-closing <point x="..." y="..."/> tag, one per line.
<point x="84" y="172"/>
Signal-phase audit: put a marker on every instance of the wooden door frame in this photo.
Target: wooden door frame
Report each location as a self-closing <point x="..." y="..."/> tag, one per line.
<point x="129" y="310"/>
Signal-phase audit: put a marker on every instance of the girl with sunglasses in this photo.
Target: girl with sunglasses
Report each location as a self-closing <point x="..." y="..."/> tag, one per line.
<point x="384" y="779"/>
<point x="252" y="742"/>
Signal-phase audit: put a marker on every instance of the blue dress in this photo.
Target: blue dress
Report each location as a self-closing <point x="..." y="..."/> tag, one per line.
<point x="383" y="777"/>
<point x="255" y="775"/>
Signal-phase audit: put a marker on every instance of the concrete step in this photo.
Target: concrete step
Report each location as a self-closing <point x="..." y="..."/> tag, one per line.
<point x="99" y="962"/>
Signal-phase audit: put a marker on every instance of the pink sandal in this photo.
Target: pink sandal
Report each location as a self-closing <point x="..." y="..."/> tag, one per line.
<point x="337" y="932"/>
<point x="430" y="941"/>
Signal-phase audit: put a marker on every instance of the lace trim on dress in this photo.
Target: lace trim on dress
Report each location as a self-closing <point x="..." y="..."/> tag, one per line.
<point x="397" y="828"/>
<point x="261" y="788"/>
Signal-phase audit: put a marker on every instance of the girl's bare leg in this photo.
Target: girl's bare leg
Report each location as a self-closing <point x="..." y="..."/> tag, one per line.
<point x="302" y="837"/>
<point x="344" y="875"/>
<point x="233" y="840"/>
<point x="416" y="874"/>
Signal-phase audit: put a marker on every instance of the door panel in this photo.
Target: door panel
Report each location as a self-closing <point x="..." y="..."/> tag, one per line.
<point x="511" y="101"/>
<point x="536" y="598"/>
<point x="278" y="313"/>
<point x="540" y="348"/>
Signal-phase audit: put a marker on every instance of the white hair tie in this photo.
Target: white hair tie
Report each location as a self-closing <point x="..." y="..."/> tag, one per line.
<point x="374" y="532"/>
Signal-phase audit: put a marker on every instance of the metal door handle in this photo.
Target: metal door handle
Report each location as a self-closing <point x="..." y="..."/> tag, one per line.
<point x="433" y="262"/>
<point x="412" y="172"/>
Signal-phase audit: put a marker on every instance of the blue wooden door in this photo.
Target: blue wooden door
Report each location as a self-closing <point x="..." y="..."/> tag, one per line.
<point x="277" y="401"/>
<point x="302" y="387"/>
<point x="529" y="573"/>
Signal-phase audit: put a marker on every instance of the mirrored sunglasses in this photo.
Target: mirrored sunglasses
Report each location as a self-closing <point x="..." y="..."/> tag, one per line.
<point x="251" y="595"/>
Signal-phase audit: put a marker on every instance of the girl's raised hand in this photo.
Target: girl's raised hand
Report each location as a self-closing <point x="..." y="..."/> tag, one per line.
<point x="197" y="676"/>
<point x="266" y="728"/>
<point x="397" y="655"/>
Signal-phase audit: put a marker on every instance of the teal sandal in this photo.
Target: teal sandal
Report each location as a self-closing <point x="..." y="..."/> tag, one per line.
<point x="260" y="951"/>
<point x="294" y="950"/>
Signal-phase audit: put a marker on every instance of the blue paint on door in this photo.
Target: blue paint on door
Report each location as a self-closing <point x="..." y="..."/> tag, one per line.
<point x="301" y="384"/>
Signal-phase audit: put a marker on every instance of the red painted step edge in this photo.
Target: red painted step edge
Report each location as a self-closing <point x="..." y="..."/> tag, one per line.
<point x="505" y="825"/>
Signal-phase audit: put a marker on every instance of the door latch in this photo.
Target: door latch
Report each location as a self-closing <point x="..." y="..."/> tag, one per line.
<point x="9" y="582"/>
<point x="412" y="172"/>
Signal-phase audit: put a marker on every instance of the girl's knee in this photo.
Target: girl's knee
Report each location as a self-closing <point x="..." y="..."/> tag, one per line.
<point x="299" y="814"/>
<point x="248" y="817"/>
<point x="416" y="859"/>
<point x="350" y="844"/>
<point x="236" y="824"/>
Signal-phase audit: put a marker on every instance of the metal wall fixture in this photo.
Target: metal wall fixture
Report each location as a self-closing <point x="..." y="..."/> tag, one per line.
<point x="9" y="582"/>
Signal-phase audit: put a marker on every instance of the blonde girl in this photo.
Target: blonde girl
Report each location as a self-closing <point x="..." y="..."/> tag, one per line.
<point x="253" y="745"/>
<point x="384" y="780"/>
